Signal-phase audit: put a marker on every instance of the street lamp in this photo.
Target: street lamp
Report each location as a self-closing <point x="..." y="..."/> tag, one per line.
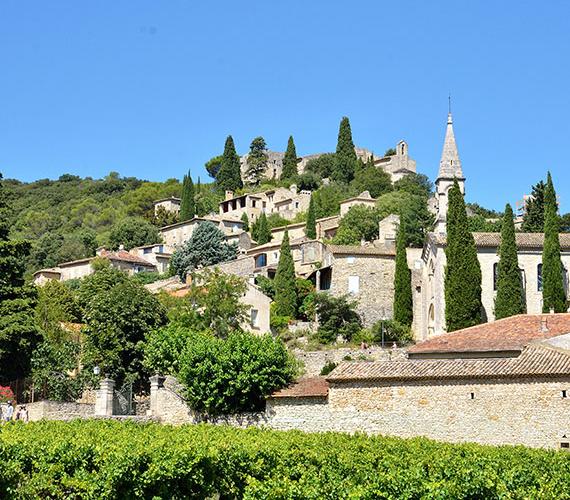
<point x="96" y="370"/>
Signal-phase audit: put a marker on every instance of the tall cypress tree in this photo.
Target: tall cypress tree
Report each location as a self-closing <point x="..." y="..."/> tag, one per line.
<point x="188" y="202"/>
<point x="290" y="161"/>
<point x="311" y="226"/>
<point x="462" y="272"/>
<point x="553" y="295"/>
<point x="229" y="175"/>
<point x="284" y="282"/>
<point x="403" y="306"/>
<point x="533" y="218"/>
<point x="263" y="231"/>
<point x="510" y="295"/>
<point x="345" y="158"/>
<point x="18" y="333"/>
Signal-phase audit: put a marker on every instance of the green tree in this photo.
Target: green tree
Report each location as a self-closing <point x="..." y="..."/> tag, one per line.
<point x="337" y="317"/>
<point x="187" y="203"/>
<point x="462" y="272"/>
<point x="359" y="223"/>
<point x="553" y="294"/>
<point x="418" y="184"/>
<point x="285" y="291"/>
<point x="256" y="160"/>
<point x="245" y="220"/>
<point x="534" y="212"/>
<point x="403" y="306"/>
<point x="229" y="175"/>
<point x="133" y="232"/>
<point x="311" y="226"/>
<point x="345" y="154"/>
<point x="18" y="332"/>
<point x="328" y="198"/>
<point x="510" y="294"/>
<point x="56" y="303"/>
<point x="322" y="165"/>
<point x="374" y="180"/>
<point x="289" y="171"/>
<point x="213" y="166"/>
<point x="262" y="232"/>
<point x="163" y="347"/>
<point x="206" y="246"/>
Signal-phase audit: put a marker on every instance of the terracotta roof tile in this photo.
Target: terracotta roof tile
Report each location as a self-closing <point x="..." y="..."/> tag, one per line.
<point x="125" y="256"/>
<point x="524" y="240"/>
<point x="535" y="360"/>
<point x="305" y="388"/>
<point x="508" y="334"/>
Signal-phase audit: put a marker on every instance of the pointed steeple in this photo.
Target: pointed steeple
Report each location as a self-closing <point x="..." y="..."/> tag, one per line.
<point x="450" y="164"/>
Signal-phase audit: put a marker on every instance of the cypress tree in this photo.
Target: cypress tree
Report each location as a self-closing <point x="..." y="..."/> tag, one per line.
<point x="284" y="282"/>
<point x="345" y="158"/>
<point x="290" y="161"/>
<point x="187" y="203"/>
<point x="256" y="160"/>
<point x="245" y="220"/>
<point x="229" y="175"/>
<point x="510" y="296"/>
<point x="462" y="272"/>
<point x="533" y="218"/>
<point x="263" y="230"/>
<point x="311" y="226"/>
<point x="553" y="295"/>
<point x="403" y="307"/>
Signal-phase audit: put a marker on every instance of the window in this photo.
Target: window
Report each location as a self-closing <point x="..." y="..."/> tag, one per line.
<point x="147" y="250"/>
<point x="261" y="260"/>
<point x="254" y="320"/>
<point x="564" y="394"/>
<point x="253" y="203"/>
<point x="539" y="277"/>
<point x="296" y="204"/>
<point x="350" y="259"/>
<point x="495" y="275"/>
<point x="353" y="284"/>
<point x="472" y="395"/>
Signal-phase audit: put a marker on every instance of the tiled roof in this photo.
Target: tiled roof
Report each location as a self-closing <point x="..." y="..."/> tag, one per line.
<point x="329" y="222"/>
<point x="361" y="250"/>
<point x="125" y="256"/>
<point x="276" y="244"/>
<point x="524" y="240"/>
<point x="508" y="334"/>
<point x="304" y="388"/>
<point x="535" y="360"/>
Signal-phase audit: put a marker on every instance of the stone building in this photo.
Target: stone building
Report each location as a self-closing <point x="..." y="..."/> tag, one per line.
<point x="171" y="205"/>
<point x="156" y="254"/>
<point x="363" y="199"/>
<point x="398" y="165"/>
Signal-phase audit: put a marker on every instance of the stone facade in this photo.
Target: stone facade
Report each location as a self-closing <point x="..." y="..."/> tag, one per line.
<point x="56" y="410"/>
<point x="171" y="204"/>
<point x="363" y="199"/>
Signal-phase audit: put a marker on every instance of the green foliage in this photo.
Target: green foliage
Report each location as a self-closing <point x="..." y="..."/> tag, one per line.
<point x="164" y="217"/>
<point x="403" y="305"/>
<point x="553" y="293"/>
<point x="275" y="220"/>
<point x="308" y="181"/>
<point x="328" y="368"/>
<point x="510" y="293"/>
<point x="477" y="209"/>
<point x="256" y="160"/>
<point x="229" y="175"/>
<point x="266" y="285"/>
<point x="206" y="247"/>
<point x="261" y="232"/>
<point x="305" y="292"/>
<point x="535" y="210"/>
<point x="149" y="277"/>
<point x="233" y="375"/>
<point x="327" y="199"/>
<point x="110" y="459"/>
<point x="55" y="247"/>
<point x="56" y="303"/>
<point x="477" y="224"/>
<point x="323" y="165"/>
<point x="311" y="226"/>
<point x="290" y="161"/>
<point x="163" y="347"/>
<point x="245" y="220"/>
<point x="100" y="282"/>
<point x="187" y="202"/>
<point x="463" y="272"/>
<point x="133" y="232"/>
<point x="417" y="184"/>
<point x="390" y="152"/>
<point x="394" y="331"/>
<point x="213" y="166"/>
<point x="359" y="223"/>
<point x="374" y="180"/>
<point x="284" y="282"/>
<point x="345" y="156"/>
<point x="337" y="316"/>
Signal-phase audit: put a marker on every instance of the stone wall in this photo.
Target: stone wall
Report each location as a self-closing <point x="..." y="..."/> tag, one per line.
<point x="56" y="410"/>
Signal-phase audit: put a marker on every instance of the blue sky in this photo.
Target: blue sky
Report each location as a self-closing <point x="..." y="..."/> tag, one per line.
<point x="152" y="88"/>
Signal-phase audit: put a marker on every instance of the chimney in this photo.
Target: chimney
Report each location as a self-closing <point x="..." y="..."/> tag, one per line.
<point x="229" y="194"/>
<point x="121" y="247"/>
<point x="293" y="188"/>
<point x="544" y="325"/>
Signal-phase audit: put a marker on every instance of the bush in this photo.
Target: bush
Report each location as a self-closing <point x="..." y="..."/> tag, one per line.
<point x="109" y="459"/>
<point x="337" y="316"/>
<point x="329" y="367"/>
<point x="393" y="332"/>
<point x="234" y="375"/>
<point x="6" y="394"/>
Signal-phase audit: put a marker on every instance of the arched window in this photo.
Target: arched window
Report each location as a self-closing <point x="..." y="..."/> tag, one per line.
<point x="495" y="274"/>
<point x="403" y="149"/>
<point x="539" y="277"/>
<point x="261" y="260"/>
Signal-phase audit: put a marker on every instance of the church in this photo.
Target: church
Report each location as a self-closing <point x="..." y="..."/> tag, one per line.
<point x="428" y="272"/>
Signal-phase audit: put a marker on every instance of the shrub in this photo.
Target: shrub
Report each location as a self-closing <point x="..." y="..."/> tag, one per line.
<point x="6" y="394"/>
<point x="329" y="367"/>
<point x="337" y="316"/>
<point x="393" y="332"/>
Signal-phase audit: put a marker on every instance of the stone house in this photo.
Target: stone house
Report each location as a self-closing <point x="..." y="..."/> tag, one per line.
<point x="363" y="198"/>
<point x="155" y="254"/>
<point x="398" y="165"/>
<point x="171" y="204"/>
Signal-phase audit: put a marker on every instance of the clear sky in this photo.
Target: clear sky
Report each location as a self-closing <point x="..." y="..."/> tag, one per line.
<point x="152" y="88"/>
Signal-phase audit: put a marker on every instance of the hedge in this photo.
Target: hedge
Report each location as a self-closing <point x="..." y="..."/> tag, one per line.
<point x="110" y="459"/>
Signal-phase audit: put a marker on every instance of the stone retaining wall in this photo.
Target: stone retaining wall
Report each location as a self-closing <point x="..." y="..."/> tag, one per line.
<point x="56" y="410"/>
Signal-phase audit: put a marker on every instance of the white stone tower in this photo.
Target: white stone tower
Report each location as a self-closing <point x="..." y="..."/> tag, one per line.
<point x="449" y="169"/>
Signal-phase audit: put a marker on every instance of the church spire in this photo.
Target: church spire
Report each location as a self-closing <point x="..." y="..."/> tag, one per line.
<point x="450" y="164"/>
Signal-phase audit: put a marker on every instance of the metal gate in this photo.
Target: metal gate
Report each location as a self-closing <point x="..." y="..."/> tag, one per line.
<point x="123" y="400"/>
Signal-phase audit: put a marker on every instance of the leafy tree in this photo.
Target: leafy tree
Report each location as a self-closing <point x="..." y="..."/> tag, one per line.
<point x="392" y="331"/>
<point x="337" y="316"/>
<point x="18" y="333"/>
<point x="375" y="181"/>
<point x="206" y="247"/>
<point x="117" y="323"/>
<point x="256" y="160"/>
<point x="245" y="220"/>
<point x="345" y="157"/>
<point x="477" y="209"/>
<point x="418" y="184"/>
<point x="323" y="165"/>
<point x="163" y="347"/>
<point x="284" y="282"/>
<point x="234" y="375"/>
<point x="213" y="166"/>
<point x="390" y="152"/>
<point x="403" y="306"/>
<point x="534" y="213"/>
<point x="187" y="202"/>
<point x="164" y="217"/>
<point x="359" y="223"/>
<point x="306" y="294"/>
<point x="261" y="232"/>
<point x="462" y="272"/>
<point x="553" y="294"/>
<point x="327" y="199"/>
<point x="510" y="294"/>
<point x="478" y="223"/>
<point x="56" y="303"/>
<point x="290" y="161"/>
<point x="311" y="226"/>
<point x="229" y="175"/>
<point x="133" y="232"/>
<point x="101" y="281"/>
<point x="266" y="285"/>
<point x="308" y="181"/>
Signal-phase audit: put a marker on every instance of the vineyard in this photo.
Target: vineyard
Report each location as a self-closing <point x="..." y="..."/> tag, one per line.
<point x="108" y="459"/>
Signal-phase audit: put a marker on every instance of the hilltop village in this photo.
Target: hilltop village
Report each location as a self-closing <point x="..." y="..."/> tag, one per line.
<point x="380" y="301"/>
